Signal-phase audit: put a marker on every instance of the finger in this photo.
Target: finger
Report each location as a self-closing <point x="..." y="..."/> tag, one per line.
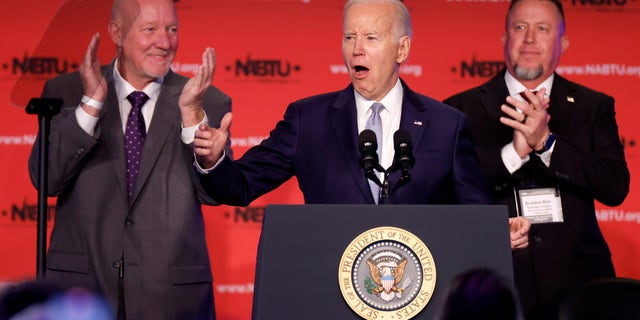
<point x="545" y="103"/>
<point x="511" y="112"/>
<point x="518" y="104"/>
<point x="525" y="228"/>
<point x="208" y="60"/>
<point x="530" y="96"/>
<point x="521" y="245"/>
<point x="92" y="49"/>
<point x="225" y="123"/>
<point x="516" y="125"/>
<point x="522" y="225"/>
<point x="213" y="59"/>
<point x="514" y="114"/>
<point x="541" y="93"/>
<point x="202" y="134"/>
<point x="205" y="63"/>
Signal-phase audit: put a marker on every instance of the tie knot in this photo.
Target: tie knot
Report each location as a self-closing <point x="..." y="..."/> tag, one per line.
<point x="524" y="96"/>
<point x="137" y="99"/>
<point x="376" y="107"/>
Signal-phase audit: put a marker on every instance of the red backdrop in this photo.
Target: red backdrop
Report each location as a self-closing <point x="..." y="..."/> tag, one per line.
<point x="271" y="52"/>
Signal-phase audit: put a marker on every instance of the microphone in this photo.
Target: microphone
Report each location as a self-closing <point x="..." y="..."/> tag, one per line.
<point x="368" y="151"/>
<point x="403" y="158"/>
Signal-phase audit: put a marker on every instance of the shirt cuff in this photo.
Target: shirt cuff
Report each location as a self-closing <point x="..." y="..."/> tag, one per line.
<point x="511" y="159"/>
<point x="202" y="170"/>
<point x="187" y="134"/>
<point x="546" y="156"/>
<point x="86" y="121"/>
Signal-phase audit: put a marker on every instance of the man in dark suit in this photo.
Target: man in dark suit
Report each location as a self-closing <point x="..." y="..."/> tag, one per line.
<point x="547" y="155"/>
<point x="317" y="141"/>
<point x="133" y="233"/>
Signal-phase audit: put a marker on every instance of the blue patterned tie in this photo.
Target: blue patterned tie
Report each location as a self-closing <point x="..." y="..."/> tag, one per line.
<point x="134" y="137"/>
<point x="374" y="123"/>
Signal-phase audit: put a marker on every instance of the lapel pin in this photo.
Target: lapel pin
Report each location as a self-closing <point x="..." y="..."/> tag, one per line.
<point x="416" y="122"/>
<point x="570" y="99"/>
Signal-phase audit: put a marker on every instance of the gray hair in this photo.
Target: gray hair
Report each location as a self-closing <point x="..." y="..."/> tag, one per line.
<point x="402" y="16"/>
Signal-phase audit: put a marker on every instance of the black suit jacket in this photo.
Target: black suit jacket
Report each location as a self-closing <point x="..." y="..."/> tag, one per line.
<point x="587" y="163"/>
<point x="159" y="233"/>
<point x="317" y="142"/>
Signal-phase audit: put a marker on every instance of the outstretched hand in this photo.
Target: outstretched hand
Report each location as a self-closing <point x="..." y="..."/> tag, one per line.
<point x="519" y="232"/>
<point x="93" y="82"/>
<point x="209" y="143"/>
<point x="190" y="101"/>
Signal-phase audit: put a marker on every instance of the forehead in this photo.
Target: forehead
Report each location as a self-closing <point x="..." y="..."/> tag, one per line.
<point x="534" y="11"/>
<point x="154" y="10"/>
<point x="369" y="16"/>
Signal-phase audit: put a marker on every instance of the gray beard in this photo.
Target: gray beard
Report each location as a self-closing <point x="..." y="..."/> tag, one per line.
<point x="528" y="74"/>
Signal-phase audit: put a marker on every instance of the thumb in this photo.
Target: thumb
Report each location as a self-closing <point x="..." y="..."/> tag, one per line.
<point x="225" y="123"/>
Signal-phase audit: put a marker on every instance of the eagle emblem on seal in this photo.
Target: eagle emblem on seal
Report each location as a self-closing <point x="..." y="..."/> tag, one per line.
<point x="387" y="271"/>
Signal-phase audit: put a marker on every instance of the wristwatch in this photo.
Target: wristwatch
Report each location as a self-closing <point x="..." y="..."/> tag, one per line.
<point x="548" y="143"/>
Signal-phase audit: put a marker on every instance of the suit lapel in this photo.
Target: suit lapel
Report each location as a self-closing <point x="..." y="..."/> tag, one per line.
<point x="163" y="124"/>
<point x="343" y="120"/>
<point x="413" y="117"/>
<point x="493" y="95"/>
<point x="111" y="132"/>
<point x="563" y="101"/>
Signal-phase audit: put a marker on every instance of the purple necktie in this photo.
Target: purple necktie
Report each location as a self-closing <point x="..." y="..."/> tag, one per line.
<point x="134" y="137"/>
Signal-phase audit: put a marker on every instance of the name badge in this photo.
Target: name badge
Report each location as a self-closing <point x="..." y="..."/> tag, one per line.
<point x="539" y="205"/>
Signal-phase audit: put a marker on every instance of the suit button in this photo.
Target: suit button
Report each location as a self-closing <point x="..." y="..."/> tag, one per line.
<point x="128" y="222"/>
<point x="537" y="239"/>
<point x="116" y="264"/>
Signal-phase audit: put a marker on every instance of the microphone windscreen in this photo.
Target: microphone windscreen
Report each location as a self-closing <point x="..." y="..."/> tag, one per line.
<point x="367" y="135"/>
<point x="402" y="136"/>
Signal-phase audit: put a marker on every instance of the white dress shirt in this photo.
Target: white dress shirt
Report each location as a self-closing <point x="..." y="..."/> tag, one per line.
<point x="390" y="117"/>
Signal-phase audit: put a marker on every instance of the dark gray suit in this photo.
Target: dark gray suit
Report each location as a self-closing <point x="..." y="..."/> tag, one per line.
<point x="160" y="232"/>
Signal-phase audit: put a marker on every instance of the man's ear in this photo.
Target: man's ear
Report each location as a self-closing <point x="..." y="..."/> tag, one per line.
<point x="116" y="32"/>
<point x="403" y="49"/>
<point x="564" y="43"/>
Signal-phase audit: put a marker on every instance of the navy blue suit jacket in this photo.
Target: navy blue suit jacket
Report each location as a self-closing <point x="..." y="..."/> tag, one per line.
<point x="317" y="141"/>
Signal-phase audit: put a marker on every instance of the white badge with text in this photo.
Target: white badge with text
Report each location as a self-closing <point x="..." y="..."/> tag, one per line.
<point x="540" y="205"/>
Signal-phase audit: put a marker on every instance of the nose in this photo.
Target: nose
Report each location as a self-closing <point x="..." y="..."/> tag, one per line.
<point x="163" y="39"/>
<point x="530" y="36"/>
<point x="357" y="47"/>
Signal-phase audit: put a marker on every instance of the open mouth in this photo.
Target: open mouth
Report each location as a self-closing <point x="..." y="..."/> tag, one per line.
<point x="360" y="71"/>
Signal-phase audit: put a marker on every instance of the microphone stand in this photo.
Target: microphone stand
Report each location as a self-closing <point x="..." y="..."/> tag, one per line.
<point x="45" y="109"/>
<point x="386" y="189"/>
<point x="385" y="186"/>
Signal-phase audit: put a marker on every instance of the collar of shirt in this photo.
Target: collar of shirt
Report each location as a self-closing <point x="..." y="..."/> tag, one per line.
<point x="124" y="89"/>
<point x="515" y="87"/>
<point x="390" y="117"/>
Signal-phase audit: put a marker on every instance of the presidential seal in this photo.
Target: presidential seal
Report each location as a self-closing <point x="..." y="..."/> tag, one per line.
<point x="387" y="273"/>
